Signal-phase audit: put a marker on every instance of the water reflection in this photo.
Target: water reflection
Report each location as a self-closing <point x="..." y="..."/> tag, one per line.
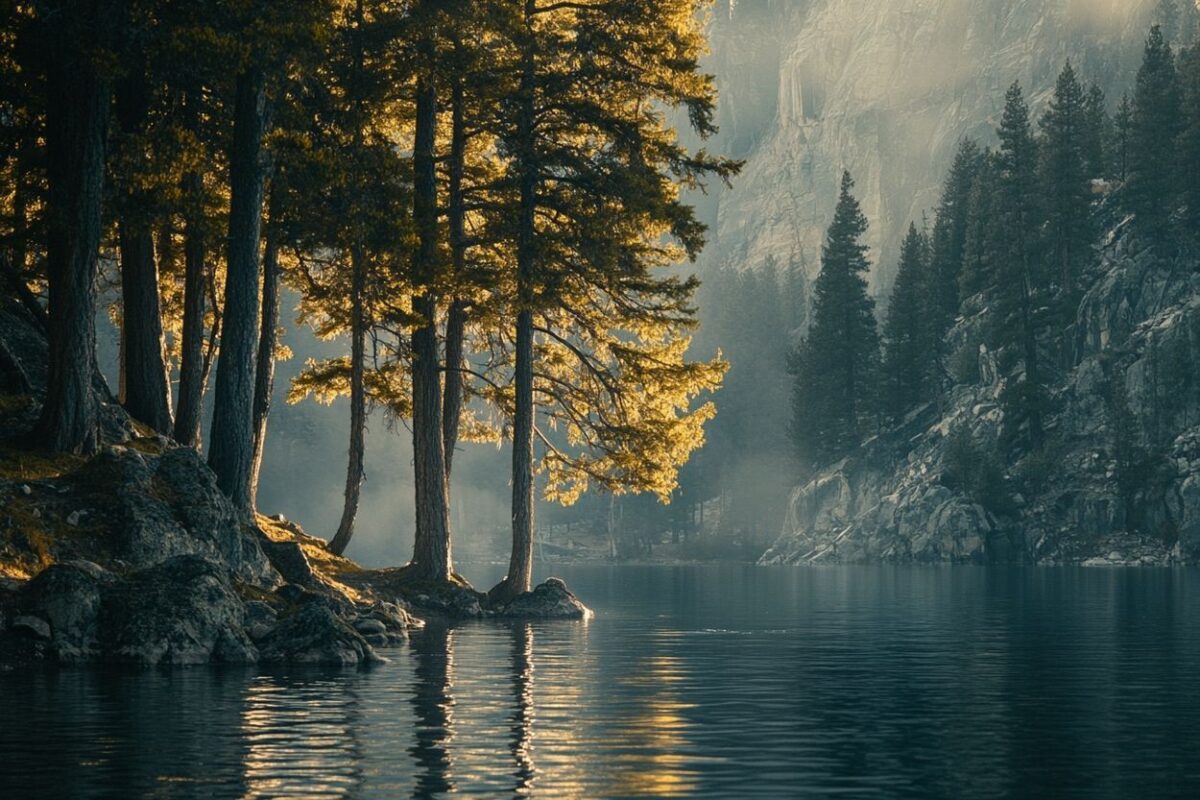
<point x="705" y="683"/>
<point x="433" y="707"/>
<point x="521" y="741"/>
<point x="302" y="733"/>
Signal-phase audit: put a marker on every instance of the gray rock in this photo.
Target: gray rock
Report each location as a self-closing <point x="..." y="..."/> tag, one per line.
<point x="549" y="600"/>
<point x="290" y="562"/>
<point x="34" y="625"/>
<point x="316" y="635"/>
<point x="369" y="625"/>
<point x="182" y="611"/>
<point x="69" y="596"/>
<point x="260" y="619"/>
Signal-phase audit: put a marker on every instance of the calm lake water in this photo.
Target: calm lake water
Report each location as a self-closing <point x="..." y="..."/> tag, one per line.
<point x="691" y="682"/>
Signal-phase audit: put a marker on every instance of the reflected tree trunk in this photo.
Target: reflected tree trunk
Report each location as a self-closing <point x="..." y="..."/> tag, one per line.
<point x="432" y="704"/>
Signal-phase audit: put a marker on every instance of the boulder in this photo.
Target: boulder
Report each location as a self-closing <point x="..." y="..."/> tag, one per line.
<point x="549" y="600"/>
<point x="316" y="635"/>
<point x="68" y="595"/>
<point x="181" y="611"/>
<point x="290" y="562"/>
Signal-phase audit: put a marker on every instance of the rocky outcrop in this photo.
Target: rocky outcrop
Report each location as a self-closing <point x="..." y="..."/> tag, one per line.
<point x="548" y="600"/>
<point x="1136" y="336"/>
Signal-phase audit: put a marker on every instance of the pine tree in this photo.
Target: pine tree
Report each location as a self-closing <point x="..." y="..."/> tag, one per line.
<point x="837" y="366"/>
<point x="599" y="340"/>
<point x="1097" y="134"/>
<point x="77" y="42"/>
<point x="1153" y="185"/>
<point x="949" y="239"/>
<point x="1189" y="140"/>
<point x="908" y="371"/>
<point x="1122" y="134"/>
<point x="981" y="240"/>
<point x="1016" y="321"/>
<point x="1066" y="189"/>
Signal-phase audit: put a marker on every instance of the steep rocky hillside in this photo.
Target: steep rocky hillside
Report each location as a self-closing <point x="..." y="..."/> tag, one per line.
<point x="1119" y="484"/>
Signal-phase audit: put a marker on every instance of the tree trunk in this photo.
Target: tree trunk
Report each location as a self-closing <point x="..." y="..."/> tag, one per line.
<point x="520" y="566"/>
<point x="431" y="548"/>
<point x="231" y="445"/>
<point x="146" y="391"/>
<point x="77" y="107"/>
<point x="191" y="361"/>
<point x="358" y="333"/>
<point x="456" y="318"/>
<point x="358" y="403"/>
<point x="268" y="338"/>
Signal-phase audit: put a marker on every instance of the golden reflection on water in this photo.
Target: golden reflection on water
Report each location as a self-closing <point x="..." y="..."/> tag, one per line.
<point x="654" y="763"/>
<point x="301" y="739"/>
<point x="525" y="732"/>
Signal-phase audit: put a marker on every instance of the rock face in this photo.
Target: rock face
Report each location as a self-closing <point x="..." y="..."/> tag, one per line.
<point x="140" y="559"/>
<point x="897" y="498"/>
<point x="181" y="611"/>
<point x="316" y="635"/>
<point x="884" y="88"/>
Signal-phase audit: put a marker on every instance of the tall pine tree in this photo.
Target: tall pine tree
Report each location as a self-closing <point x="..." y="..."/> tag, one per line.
<point x="908" y="368"/>
<point x="1189" y="141"/>
<point x="1066" y="187"/>
<point x="1151" y="194"/>
<point x="837" y="366"/>
<point x="1016" y="319"/>
<point x="950" y="237"/>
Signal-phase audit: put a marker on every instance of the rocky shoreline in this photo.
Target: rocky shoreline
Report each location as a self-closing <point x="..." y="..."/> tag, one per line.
<point x="899" y="497"/>
<point x="133" y="556"/>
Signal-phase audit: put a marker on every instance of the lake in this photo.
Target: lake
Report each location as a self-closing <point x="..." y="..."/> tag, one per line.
<point x="691" y="681"/>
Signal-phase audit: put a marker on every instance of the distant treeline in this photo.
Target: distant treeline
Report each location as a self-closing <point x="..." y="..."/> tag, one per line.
<point x="1011" y="244"/>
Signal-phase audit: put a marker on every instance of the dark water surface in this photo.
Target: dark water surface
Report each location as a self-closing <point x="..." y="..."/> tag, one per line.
<point x="691" y="681"/>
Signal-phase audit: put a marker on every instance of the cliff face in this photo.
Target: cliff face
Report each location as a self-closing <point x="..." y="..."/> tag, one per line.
<point x="1136" y="335"/>
<point x="884" y="88"/>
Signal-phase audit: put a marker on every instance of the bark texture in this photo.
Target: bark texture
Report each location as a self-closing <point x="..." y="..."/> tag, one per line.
<point x="231" y="441"/>
<point x="77" y="109"/>
<point x="191" y="362"/>
<point x="358" y="405"/>
<point x="146" y="392"/>
<point x="268" y="339"/>
<point x="520" y="566"/>
<point x="431" y="546"/>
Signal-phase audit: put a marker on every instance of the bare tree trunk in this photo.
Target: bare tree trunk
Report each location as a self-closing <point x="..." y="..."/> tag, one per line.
<point x="77" y="110"/>
<point x="146" y="392"/>
<point x="356" y="454"/>
<point x="431" y="548"/>
<point x="358" y="404"/>
<point x="456" y="318"/>
<point x="268" y="338"/>
<point x="191" y="360"/>
<point x="520" y="566"/>
<point x="231" y="442"/>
